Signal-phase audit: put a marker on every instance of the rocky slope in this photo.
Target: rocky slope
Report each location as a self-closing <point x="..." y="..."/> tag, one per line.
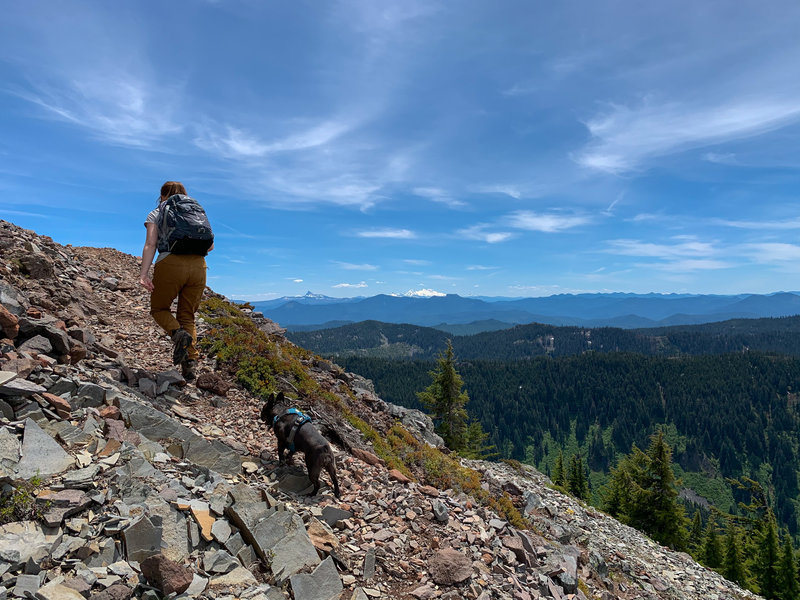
<point x="150" y="486"/>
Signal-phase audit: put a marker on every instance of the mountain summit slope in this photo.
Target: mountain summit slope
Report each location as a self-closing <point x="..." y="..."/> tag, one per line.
<point x="150" y="483"/>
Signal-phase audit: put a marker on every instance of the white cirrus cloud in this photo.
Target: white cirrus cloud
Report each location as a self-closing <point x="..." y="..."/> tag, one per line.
<point x="545" y="222"/>
<point x="417" y="262"/>
<point x="362" y="284"/>
<point x="117" y="108"/>
<point x="686" y="265"/>
<point x="683" y="248"/>
<point x="481" y="268"/>
<point x="772" y="252"/>
<point x="787" y="224"/>
<point x="233" y="142"/>
<point x="624" y="137"/>
<point x="387" y="232"/>
<point x="479" y="232"/>
<point x="355" y="267"/>
<point x="439" y="195"/>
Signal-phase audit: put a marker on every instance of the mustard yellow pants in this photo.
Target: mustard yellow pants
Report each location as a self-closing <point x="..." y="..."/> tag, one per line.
<point x="181" y="276"/>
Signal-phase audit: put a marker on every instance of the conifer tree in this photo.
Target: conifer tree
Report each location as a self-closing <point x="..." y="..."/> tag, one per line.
<point x="696" y="535"/>
<point x="446" y="400"/>
<point x="787" y="572"/>
<point x="733" y="568"/>
<point x="475" y="445"/>
<point x="768" y="559"/>
<point x="712" y="551"/>
<point x="559" y="476"/>
<point x="668" y="516"/>
<point x="576" y="482"/>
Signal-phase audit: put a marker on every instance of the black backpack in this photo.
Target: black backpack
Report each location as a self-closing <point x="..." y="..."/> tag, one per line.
<point x="183" y="227"/>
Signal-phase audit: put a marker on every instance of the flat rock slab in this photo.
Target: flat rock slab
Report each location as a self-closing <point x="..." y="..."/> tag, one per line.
<point x="449" y="567"/>
<point x="21" y="387"/>
<point x="57" y="591"/>
<point x="142" y="540"/>
<point x="41" y="454"/>
<point x="23" y="540"/>
<point x="6" y="376"/>
<point x="323" y="583"/>
<point x="237" y="579"/>
<point x="281" y="541"/>
<point x="9" y="447"/>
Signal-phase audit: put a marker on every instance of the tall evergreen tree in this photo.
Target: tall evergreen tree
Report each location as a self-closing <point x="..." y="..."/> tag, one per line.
<point x="642" y="493"/>
<point x="787" y="572"/>
<point x="576" y="481"/>
<point x="559" y="475"/>
<point x="669" y="520"/>
<point x="696" y="535"/>
<point x="446" y="400"/>
<point x="475" y="443"/>
<point x="733" y="567"/>
<point x="712" y="550"/>
<point x="768" y="559"/>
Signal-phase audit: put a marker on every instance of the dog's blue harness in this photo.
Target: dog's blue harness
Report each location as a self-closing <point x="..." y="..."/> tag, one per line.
<point x="300" y="420"/>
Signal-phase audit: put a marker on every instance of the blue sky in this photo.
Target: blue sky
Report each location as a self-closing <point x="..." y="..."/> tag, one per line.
<point x="353" y="148"/>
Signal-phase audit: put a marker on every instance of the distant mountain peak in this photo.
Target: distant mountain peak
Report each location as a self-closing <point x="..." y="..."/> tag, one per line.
<point x="423" y="293"/>
<point x="310" y="294"/>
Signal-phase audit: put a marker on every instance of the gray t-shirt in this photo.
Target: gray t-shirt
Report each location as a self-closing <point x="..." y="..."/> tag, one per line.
<point x="152" y="217"/>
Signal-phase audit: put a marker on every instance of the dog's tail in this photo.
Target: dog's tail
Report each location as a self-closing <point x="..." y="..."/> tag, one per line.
<point x="268" y="410"/>
<point x="330" y="466"/>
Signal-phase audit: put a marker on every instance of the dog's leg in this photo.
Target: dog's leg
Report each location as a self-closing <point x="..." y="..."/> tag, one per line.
<point x="314" y="467"/>
<point x="330" y="465"/>
<point x="281" y="450"/>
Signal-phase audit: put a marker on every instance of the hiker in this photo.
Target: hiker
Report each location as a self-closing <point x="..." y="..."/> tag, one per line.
<point x="178" y="228"/>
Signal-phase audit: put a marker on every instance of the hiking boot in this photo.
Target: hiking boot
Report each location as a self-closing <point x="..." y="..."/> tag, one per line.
<point x="188" y="369"/>
<point x="182" y="340"/>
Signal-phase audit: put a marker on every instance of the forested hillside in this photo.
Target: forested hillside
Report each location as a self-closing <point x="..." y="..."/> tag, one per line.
<point x="388" y="340"/>
<point x="729" y="415"/>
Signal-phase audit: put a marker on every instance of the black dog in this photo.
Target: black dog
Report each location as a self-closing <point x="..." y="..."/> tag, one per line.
<point x="294" y="431"/>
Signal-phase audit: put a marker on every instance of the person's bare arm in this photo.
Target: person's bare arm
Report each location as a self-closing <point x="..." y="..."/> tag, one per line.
<point x="148" y="252"/>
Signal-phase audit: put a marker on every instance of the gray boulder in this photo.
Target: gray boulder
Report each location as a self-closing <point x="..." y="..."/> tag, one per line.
<point x="41" y="454"/>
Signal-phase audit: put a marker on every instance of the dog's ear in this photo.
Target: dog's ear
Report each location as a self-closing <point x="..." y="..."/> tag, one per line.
<point x="280" y="397"/>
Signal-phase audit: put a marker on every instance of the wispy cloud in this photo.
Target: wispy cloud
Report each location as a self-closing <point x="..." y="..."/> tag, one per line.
<point x="545" y="222"/>
<point x="236" y="142"/>
<point x="685" y="248"/>
<point x="788" y="224"/>
<point x="773" y="252"/>
<point x="398" y="234"/>
<point x="440" y="196"/>
<point x="23" y="213"/>
<point x="688" y="265"/>
<point x="479" y="232"/>
<point x="354" y="267"/>
<point x="481" y="268"/>
<point x="417" y="262"/>
<point x="362" y="284"/>
<point x="117" y="108"/>
<point x="625" y="137"/>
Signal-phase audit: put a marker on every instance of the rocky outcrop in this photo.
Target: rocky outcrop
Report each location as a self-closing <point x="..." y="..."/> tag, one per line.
<point x="152" y="486"/>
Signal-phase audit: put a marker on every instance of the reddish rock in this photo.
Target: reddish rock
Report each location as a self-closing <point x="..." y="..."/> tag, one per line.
<point x="213" y="383"/>
<point x="61" y="406"/>
<point x="115" y="430"/>
<point x="9" y="324"/>
<point x="117" y="591"/>
<point x="34" y="313"/>
<point x="367" y="457"/>
<point x="77" y="352"/>
<point x="109" y="412"/>
<point x="429" y="490"/>
<point x="398" y="476"/>
<point x="449" y="567"/>
<point x="166" y="575"/>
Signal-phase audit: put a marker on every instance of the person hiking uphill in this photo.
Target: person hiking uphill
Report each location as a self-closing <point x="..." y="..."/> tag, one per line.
<point x="178" y="228"/>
